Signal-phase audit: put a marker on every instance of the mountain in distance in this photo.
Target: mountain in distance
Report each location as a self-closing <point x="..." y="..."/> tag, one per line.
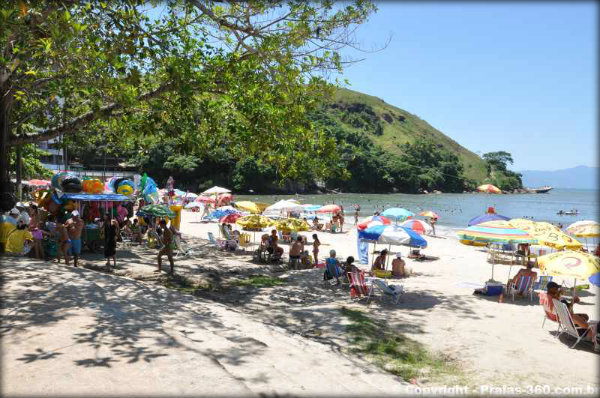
<point x="389" y="127"/>
<point x="580" y="177"/>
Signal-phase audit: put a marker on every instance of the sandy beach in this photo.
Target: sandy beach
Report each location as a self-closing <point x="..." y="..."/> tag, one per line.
<point x="497" y="346"/>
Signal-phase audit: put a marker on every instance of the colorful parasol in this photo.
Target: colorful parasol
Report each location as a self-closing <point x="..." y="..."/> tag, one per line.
<point x="205" y="199"/>
<point x="429" y="213"/>
<point x="486" y="218"/>
<point x="254" y="221"/>
<point x="546" y="234"/>
<point x="291" y="224"/>
<point x="329" y="209"/>
<point x="495" y="231"/>
<point x="570" y="264"/>
<point x="584" y="229"/>
<point x="489" y="188"/>
<point x="392" y="235"/>
<point x="373" y="221"/>
<point x="230" y="218"/>
<point x="252" y="207"/>
<point x="419" y="226"/>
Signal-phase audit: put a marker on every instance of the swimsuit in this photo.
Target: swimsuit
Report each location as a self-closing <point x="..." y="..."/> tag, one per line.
<point x="75" y="246"/>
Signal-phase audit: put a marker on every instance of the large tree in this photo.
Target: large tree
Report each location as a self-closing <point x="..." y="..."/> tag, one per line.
<point x="213" y="74"/>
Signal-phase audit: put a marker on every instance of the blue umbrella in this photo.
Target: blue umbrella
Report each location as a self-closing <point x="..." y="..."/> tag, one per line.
<point x="392" y="235"/>
<point x="595" y="279"/>
<point x="220" y="213"/>
<point x="311" y="208"/>
<point x="487" y="217"/>
<point x="397" y="213"/>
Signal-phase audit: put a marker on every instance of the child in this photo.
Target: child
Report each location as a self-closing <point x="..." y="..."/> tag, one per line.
<point x="316" y="244"/>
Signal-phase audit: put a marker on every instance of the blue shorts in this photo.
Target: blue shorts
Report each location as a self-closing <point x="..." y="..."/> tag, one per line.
<point x="75" y="246"/>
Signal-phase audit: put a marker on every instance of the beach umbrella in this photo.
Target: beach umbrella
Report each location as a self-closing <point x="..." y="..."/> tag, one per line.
<point x="252" y="207"/>
<point x="157" y="210"/>
<point x="419" y="226"/>
<point x="221" y="213"/>
<point x="311" y="208"/>
<point x="489" y="188"/>
<point x="486" y="218"/>
<point x="291" y="224"/>
<point x="397" y="213"/>
<point x="373" y="221"/>
<point x="283" y="205"/>
<point x="329" y="209"/>
<point x="189" y="195"/>
<point x="546" y="234"/>
<point x="392" y="235"/>
<point x="429" y="213"/>
<point x="230" y="218"/>
<point x="193" y="205"/>
<point x="38" y="183"/>
<point x="571" y="264"/>
<point x="205" y="199"/>
<point x="584" y="229"/>
<point x="254" y="221"/>
<point x="495" y="232"/>
<point x="215" y="190"/>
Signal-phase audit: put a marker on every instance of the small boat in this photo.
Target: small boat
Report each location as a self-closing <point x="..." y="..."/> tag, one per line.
<point x="572" y="212"/>
<point x="544" y="189"/>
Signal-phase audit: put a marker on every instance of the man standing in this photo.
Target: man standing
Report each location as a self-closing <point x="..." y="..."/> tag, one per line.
<point x="168" y="242"/>
<point x="74" y="227"/>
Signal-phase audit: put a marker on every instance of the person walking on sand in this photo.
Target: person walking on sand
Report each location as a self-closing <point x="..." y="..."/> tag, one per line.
<point x="341" y="218"/>
<point x="356" y="213"/>
<point x="432" y="221"/>
<point x="64" y="242"/>
<point x="111" y="228"/>
<point x="316" y="244"/>
<point x="169" y="243"/>
<point x="74" y="227"/>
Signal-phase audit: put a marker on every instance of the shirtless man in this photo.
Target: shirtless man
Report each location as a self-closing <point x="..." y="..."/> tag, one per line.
<point x="297" y="249"/>
<point x="398" y="266"/>
<point x="63" y="242"/>
<point x="273" y="246"/>
<point x="74" y="227"/>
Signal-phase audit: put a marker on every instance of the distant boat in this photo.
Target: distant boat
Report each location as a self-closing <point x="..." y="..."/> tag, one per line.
<point x="572" y="212"/>
<point x="540" y="190"/>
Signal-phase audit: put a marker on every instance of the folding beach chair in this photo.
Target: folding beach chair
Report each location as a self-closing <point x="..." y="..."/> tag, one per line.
<point x="541" y="284"/>
<point x="220" y="243"/>
<point x="523" y="285"/>
<point x="549" y="312"/>
<point x="359" y="288"/>
<point x="394" y="292"/>
<point x="568" y="326"/>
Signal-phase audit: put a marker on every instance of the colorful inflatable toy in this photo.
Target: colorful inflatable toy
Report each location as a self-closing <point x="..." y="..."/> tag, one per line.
<point x="92" y="185"/>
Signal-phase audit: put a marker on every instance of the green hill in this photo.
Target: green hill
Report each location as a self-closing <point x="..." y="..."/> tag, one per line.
<point x="388" y="127"/>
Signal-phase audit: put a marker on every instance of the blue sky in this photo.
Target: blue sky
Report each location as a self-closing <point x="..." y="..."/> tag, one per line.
<point x="520" y="77"/>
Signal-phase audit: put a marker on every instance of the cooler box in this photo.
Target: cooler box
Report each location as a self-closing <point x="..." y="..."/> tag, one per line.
<point x="493" y="288"/>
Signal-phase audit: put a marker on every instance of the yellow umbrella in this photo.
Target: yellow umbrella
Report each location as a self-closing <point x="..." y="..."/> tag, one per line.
<point x="570" y="264"/>
<point x="547" y="234"/>
<point x="252" y="207"/>
<point x="489" y="188"/>
<point x="254" y="221"/>
<point x="588" y="230"/>
<point x="292" y="224"/>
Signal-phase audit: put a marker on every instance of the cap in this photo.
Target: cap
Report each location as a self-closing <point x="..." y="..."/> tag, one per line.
<point x="20" y="204"/>
<point x="332" y="252"/>
<point x="399" y="255"/>
<point x="14" y="211"/>
<point x="75" y="213"/>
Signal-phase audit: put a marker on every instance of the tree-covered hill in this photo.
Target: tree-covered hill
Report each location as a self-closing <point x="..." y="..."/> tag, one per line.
<point x="390" y="127"/>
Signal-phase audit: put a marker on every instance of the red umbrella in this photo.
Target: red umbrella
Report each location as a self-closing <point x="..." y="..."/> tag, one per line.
<point x="205" y="199"/>
<point x="230" y="218"/>
<point x="372" y="221"/>
<point x="329" y="209"/>
<point x="39" y="183"/>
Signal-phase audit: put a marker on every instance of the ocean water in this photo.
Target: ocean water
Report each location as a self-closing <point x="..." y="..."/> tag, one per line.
<point x="455" y="210"/>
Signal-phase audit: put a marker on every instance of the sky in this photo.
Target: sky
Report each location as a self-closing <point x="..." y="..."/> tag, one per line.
<point x="519" y="77"/>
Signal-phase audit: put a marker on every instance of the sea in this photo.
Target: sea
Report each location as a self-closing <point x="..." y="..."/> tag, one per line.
<point x="455" y="210"/>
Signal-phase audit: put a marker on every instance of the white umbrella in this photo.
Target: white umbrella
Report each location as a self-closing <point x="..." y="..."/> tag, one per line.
<point x="190" y="195"/>
<point x="283" y="205"/>
<point x="194" y="204"/>
<point x="216" y="190"/>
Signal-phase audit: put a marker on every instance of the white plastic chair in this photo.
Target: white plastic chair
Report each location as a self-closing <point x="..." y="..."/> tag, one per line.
<point x="388" y="291"/>
<point x="568" y="326"/>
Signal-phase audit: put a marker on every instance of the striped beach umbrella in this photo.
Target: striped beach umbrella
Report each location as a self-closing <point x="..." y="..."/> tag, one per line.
<point x="392" y="235"/>
<point x="495" y="232"/>
<point x="487" y="217"/>
<point x="419" y="226"/>
<point x="584" y="229"/>
<point x="397" y="213"/>
<point x="429" y="213"/>
<point x="546" y="234"/>
<point x="373" y="221"/>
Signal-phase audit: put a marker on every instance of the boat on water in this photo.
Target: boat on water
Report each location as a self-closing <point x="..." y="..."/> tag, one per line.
<point x="572" y="212"/>
<point x="544" y="189"/>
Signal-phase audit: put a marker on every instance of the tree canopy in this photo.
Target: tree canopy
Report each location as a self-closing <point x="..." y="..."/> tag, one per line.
<point x="239" y="76"/>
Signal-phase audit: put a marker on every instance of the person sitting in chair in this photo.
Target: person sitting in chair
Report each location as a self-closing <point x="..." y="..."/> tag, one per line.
<point x="528" y="271"/>
<point x="398" y="266"/>
<point x="379" y="263"/>
<point x="350" y="267"/>
<point x="273" y="247"/>
<point x="332" y="268"/>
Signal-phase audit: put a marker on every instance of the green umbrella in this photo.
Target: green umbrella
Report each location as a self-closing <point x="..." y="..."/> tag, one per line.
<point x="158" y="211"/>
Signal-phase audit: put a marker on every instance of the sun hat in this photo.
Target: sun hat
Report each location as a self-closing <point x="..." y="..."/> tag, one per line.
<point x="20" y="204"/>
<point x="14" y="211"/>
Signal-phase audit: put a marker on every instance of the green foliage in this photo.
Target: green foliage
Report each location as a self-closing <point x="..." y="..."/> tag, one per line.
<point x="499" y="175"/>
<point x="32" y="167"/>
<point x="239" y="77"/>
<point x="259" y="281"/>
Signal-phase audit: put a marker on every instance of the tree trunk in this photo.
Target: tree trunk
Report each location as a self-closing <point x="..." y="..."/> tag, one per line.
<point x="6" y="198"/>
<point x="19" y="173"/>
